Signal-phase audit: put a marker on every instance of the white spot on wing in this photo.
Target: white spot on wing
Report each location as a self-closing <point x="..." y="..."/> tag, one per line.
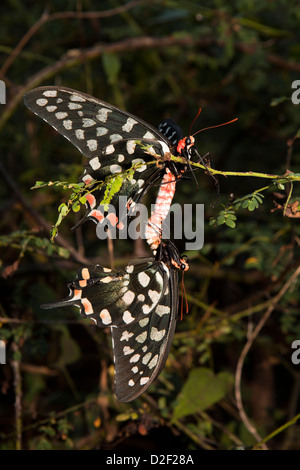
<point x="61" y="115"/>
<point x="144" y="322"/>
<point x="101" y="131"/>
<point x="73" y="106"/>
<point x="127" y="127"/>
<point x="105" y="317"/>
<point x="146" y="358"/>
<point x="149" y="135"/>
<point x="127" y="317"/>
<point x="153" y="362"/>
<point x="144" y="279"/>
<point x="67" y="123"/>
<point x="92" y="144"/>
<point x="144" y="380"/>
<point x="142" y="337"/>
<point x="51" y="108"/>
<point x="87" y="122"/>
<point x="128" y="297"/>
<point x="135" y="358"/>
<point x="50" y="93"/>
<point x="127" y="350"/>
<point x="41" y="102"/>
<point x="76" y="97"/>
<point x="106" y="279"/>
<point x="95" y="163"/>
<point x="162" y="310"/>
<point x="102" y="114"/>
<point x="115" y="169"/>
<point x="130" y="268"/>
<point x="115" y="137"/>
<point x="157" y="335"/>
<point x="130" y="146"/>
<point x="109" y="149"/>
<point x="126" y="336"/>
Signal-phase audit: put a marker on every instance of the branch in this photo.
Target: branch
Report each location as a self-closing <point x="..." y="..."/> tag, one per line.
<point x="46" y="17"/>
<point x="37" y="217"/>
<point x="246" y="349"/>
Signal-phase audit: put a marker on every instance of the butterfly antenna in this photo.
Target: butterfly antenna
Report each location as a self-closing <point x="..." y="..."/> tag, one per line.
<point x="217" y="125"/>
<point x="195" y="119"/>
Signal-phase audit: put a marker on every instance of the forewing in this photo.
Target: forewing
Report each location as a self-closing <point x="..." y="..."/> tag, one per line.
<point x="89" y="123"/>
<point x="112" y="139"/>
<point x="121" y="157"/>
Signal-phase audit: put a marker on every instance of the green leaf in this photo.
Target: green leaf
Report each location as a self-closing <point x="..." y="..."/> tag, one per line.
<point x="111" y="189"/>
<point x="63" y="209"/>
<point x="220" y="219"/>
<point x="69" y="349"/>
<point x="76" y="206"/>
<point x="201" y="390"/>
<point x="259" y="198"/>
<point x="54" y="233"/>
<point x="112" y="65"/>
<point x="251" y="205"/>
<point x="280" y="99"/>
<point x="230" y="223"/>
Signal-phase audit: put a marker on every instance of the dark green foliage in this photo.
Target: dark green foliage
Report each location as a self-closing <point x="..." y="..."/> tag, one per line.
<point x="156" y="59"/>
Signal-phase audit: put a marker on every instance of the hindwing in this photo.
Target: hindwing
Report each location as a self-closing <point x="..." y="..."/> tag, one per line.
<point x="140" y="305"/>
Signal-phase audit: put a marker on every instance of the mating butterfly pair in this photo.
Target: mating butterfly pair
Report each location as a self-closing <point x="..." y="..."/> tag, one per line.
<point x="140" y="303"/>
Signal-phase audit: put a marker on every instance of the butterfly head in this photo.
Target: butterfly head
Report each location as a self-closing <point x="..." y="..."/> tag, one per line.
<point x="181" y="265"/>
<point x="185" y="145"/>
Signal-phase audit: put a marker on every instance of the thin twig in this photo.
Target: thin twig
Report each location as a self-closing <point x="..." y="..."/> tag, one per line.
<point x="46" y="17"/>
<point x="251" y="428"/>
<point x="18" y="397"/>
<point x="39" y="219"/>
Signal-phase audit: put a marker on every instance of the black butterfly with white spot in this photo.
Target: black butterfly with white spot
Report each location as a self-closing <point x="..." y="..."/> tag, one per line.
<point x="140" y="305"/>
<point x="113" y="141"/>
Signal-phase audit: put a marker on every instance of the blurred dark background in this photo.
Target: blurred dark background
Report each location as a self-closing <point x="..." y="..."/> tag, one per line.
<point x="156" y="59"/>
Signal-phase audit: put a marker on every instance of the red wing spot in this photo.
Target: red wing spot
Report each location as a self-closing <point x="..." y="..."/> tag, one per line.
<point x="76" y="294"/>
<point x="85" y="273"/>
<point x="87" y="306"/>
<point x="96" y="215"/>
<point x="129" y="203"/>
<point x="83" y="283"/>
<point x="120" y="226"/>
<point x="87" y="179"/>
<point x="91" y="200"/>
<point x="113" y="219"/>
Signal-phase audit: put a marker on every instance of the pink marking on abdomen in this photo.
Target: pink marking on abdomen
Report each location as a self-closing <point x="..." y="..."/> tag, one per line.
<point x="162" y="206"/>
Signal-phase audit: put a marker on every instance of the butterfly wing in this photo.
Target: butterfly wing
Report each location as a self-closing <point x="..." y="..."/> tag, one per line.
<point x="113" y="140"/>
<point x="112" y="298"/>
<point x="87" y="122"/>
<point x="141" y="348"/>
<point x="115" y="160"/>
<point x="140" y="305"/>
